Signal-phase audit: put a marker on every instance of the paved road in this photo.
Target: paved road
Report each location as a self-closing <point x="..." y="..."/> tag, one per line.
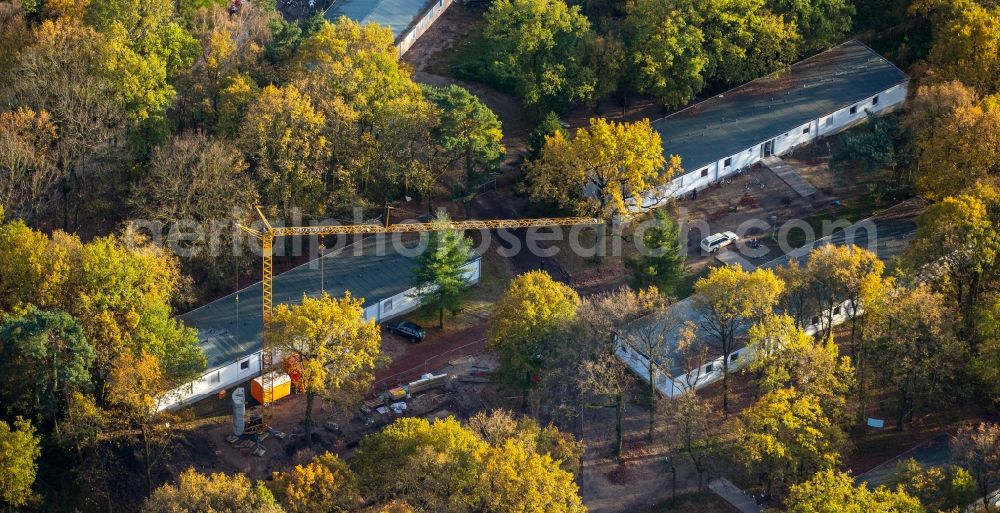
<point x="733" y="495"/>
<point x="788" y="174"/>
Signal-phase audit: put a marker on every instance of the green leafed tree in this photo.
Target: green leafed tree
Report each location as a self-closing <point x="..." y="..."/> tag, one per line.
<point x="439" y="273"/>
<point x="661" y="264"/>
<point x="822" y="23"/>
<point x="467" y="129"/>
<point x="537" y="50"/>
<point x="667" y="51"/>
<point x="44" y="358"/>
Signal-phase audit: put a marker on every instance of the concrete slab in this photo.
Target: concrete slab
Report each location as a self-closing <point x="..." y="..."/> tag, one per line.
<point x="733" y="495"/>
<point x="734" y="258"/>
<point x="789" y="176"/>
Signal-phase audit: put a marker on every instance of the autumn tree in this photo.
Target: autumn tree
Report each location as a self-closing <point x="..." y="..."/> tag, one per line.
<point x="601" y="167"/>
<point x="44" y="359"/>
<point x="337" y="348"/>
<point x="27" y="158"/>
<point x="324" y="485"/>
<point x="442" y="466"/>
<point x="196" y="210"/>
<point x="537" y="50"/>
<point x="966" y="41"/>
<point x="985" y="365"/>
<point x="830" y="490"/>
<point x="729" y="300"/>
<point x="377" y="120"/>
<point x="784" y="356"/>
<point x="661" y="261"/>
<point x="19" y="450"/>
<point x="525" y="318"/>
<point x="648" y="328"/>
<point x="497" y="426"/>
<point x="284" y="138"/>
<point x="786" y="436"/>
<point x="62" y="72"/>
<point x="222" y="493"/>
<point x="693" y="431"/>
<point x="977" y="449"/>
<point x="514" y="478"/>
<point x="214" y="91"/>
<point x="744" y="39"/>
<point x="439" y="271"/>
<point x="608" y="320"/>
<point x="939" y="488"/>
<point x="35" y="269"/>
<point x="119" y="288"/>
<point x="955" y="248"/>
<point x="918" y="359"/>
<point x="798" y="300"/>
<point x="960" y="146"/>
<point x="431" y="463"/>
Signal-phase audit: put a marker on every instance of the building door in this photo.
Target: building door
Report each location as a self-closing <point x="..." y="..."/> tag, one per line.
<point x="767" y="149"/>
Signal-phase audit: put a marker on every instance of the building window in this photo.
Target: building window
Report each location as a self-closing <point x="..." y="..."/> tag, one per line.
<point x="875" y="100"/>
<point x="836" y="311"/>
<point x="815" y="321"/>
<point x="245" y="364"/>
<point x="829" y="121"/>
<point x="854" y="109"/>
<point x="728" y="162"/>
<point x="388" y="304"/>
<point x="806" y="130"/>
<point x="215" y="377"/>
<point x="704" y="172"/>
<point x="708" y="368"/>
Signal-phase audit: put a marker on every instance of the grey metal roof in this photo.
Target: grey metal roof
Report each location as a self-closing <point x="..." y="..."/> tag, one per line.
<point x="893" y="231"/>
<point x="396" y="14"/>
<point x="372" y="275"/>
<point x="752" y="113"/>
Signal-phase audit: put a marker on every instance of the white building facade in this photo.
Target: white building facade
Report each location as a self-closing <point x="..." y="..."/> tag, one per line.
<point x="246" y="364"/>
<point x="773" y="115"/>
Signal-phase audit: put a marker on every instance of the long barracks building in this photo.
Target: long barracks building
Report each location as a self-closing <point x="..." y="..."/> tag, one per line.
<point x="811" y="99"/>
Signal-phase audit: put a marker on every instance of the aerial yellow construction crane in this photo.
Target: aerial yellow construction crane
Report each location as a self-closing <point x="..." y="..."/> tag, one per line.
<point x="269" y="233"/>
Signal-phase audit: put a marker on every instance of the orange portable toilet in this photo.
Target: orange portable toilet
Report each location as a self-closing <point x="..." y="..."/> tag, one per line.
<point x="281" y="386"/>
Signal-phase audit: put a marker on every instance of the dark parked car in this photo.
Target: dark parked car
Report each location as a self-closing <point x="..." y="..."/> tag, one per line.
<point x="408" y="330"/>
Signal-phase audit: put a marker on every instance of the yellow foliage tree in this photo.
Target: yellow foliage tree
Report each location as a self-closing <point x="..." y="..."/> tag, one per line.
<point x="729" y="300"/>
<point x="219" y="493"/>
<point x="524" y="319"/>
<point x="324" y="485"/>
<point x="283" y="136"/>
<point x="786" y="436"/>
<point x="337" y="348"/>
<point x="956" y="137"/>
<point x="966" y="41"/>
<point x="513" y="479"/>
<point x="601" y="168"/>
<point x="34" y="269"/>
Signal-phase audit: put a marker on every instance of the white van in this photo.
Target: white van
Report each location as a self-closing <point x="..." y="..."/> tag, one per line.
<point x="713" y="243"/>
